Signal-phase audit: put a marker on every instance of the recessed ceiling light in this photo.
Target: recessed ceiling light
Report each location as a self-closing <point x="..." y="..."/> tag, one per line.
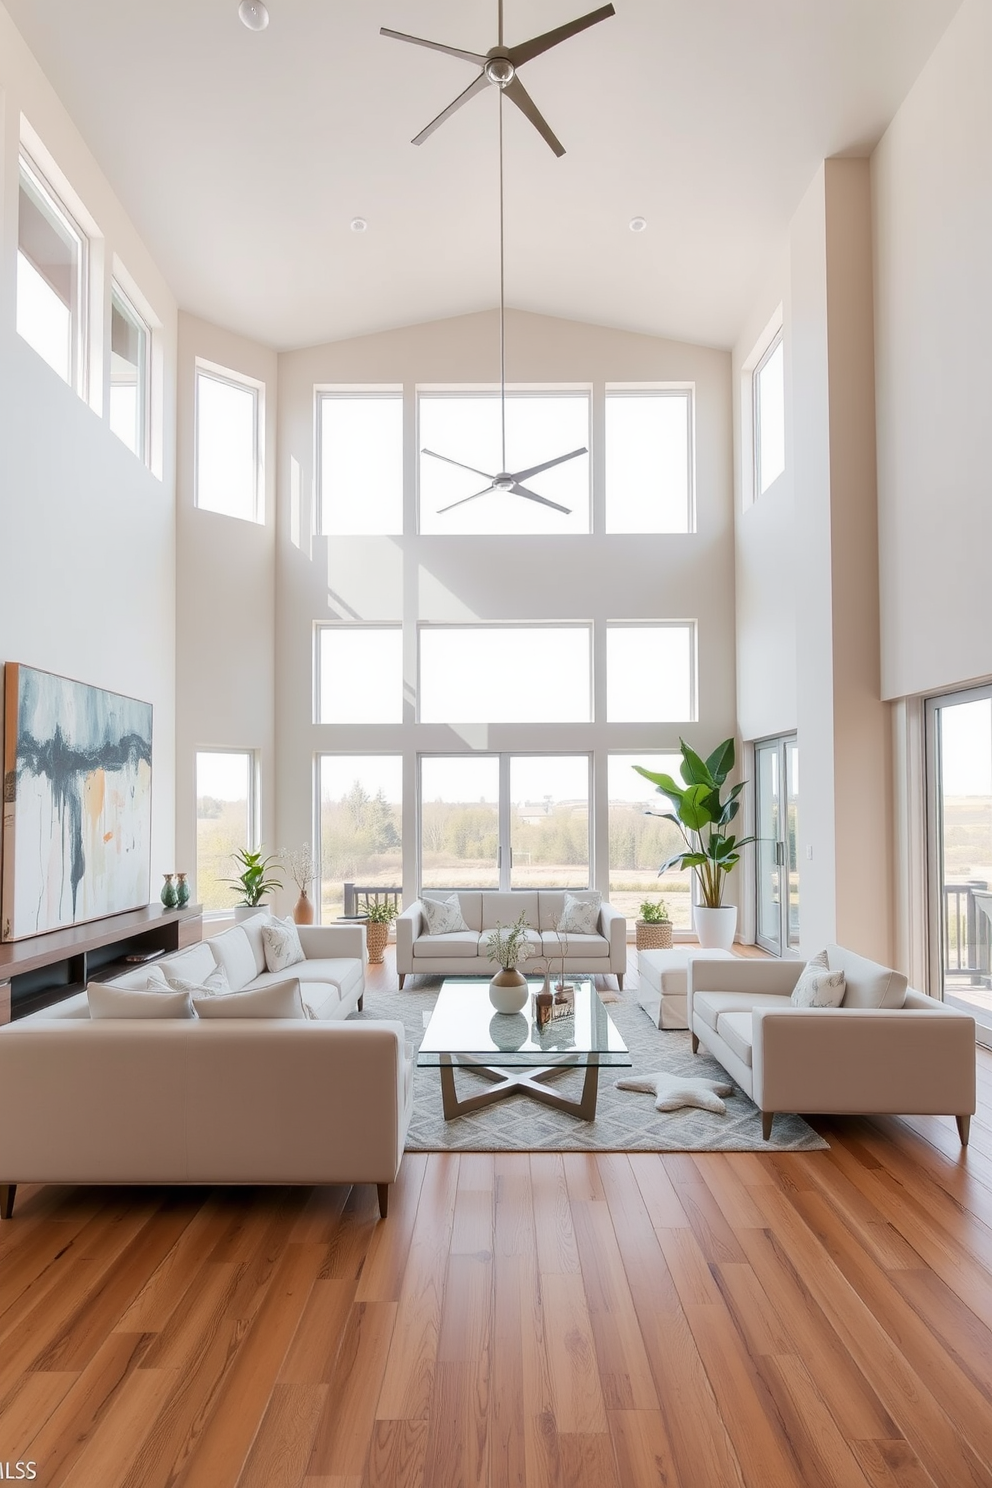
<point x="253" y="15"/>
<point x="637" y="224"/>
<point x="358" y="224"/>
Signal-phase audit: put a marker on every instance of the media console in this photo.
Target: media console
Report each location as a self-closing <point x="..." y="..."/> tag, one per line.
<point x="44" y="969"/>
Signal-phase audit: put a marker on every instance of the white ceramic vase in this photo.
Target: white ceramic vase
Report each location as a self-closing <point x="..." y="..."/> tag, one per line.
<point x="715" y="928"/>
<point x="508" y="990"/>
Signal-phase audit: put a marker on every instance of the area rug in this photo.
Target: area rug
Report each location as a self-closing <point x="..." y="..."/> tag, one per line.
<point x="625" y="1120"/>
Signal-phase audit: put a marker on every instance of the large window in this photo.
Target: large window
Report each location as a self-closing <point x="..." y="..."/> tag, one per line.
<point x="650" y="673"/>
<point x="51" y="267"/>
<point x="465" y="430"/>
<point x="361" y="824"/>
<point x="640" y="843"/>
<point x="649" y="460"/>
<point x="360" y="462"/>
<point x="359" y="674"/>
<point x="228" y="443"/>
<point x="225" y="821"/>
<point x="768" y="405"/>
<point x="505" y="674"/>
<point x="130" y="346"/>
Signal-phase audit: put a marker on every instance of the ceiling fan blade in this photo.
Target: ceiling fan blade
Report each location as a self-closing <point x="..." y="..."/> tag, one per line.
<point x="533" y="496"/>
<point x="522" y="475"/>
<point x="538" y="44"/>
<point x="481" y="82"/>
<point x="463" y="500"/>
<point x="479" y="58"/>
<point x="518" y="94"/>
<point x="447" y="459"/>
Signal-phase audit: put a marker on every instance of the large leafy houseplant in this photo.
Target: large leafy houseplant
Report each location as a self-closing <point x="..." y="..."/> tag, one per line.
<point x="702" y="815"/>
<point x="252" y="882"/>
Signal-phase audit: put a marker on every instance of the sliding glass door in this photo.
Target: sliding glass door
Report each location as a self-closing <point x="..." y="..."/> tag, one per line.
<point x="776" y="774"/>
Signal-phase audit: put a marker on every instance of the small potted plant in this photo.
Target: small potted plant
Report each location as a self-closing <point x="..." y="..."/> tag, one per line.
<point x="379" y="915"/>
<point x="509" y="946"/>
<point x="253" y="882"/>
<point x="653" y="931"/>
<point x="302" y="870"/>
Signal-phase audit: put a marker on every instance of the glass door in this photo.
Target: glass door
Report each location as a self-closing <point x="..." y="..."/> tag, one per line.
<point x="459" y="821"/>
<point x="549" y="821"/>
<point x="776" y="774"/>
<point x="959" y="760"/>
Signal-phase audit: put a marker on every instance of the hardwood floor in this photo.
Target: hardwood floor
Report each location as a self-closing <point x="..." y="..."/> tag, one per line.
<point x="713" y="1321"/>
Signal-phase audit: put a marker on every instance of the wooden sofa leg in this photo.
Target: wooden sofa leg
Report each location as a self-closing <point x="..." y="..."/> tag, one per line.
<point x="619" y="981"/>
<point x="361" y="1002"/>
<point x="964" y="1128"/>
<point x="383" y="1191"/>
<point x="695" y="1044"/>
<point x="402" y="979"/>
<point x="8" y="1190"/>
<point x="767" y="1117"/>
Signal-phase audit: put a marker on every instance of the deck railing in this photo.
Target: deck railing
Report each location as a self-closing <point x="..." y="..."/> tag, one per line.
<point x="355" y="894"/>
<point x="966" y="934"/>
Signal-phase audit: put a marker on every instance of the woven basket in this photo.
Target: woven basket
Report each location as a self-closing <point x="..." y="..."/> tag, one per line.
<point x="653" y="935"/>
<point x="376" y="935"/>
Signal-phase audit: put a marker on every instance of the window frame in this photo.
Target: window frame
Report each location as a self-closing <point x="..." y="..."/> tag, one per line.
<point x="243" y="383"/>
<point x="50" y="203"/>
<point x="557" y="626"/>
<point x="125" y="302"/>
<point x="692" y="628"/>
<point x="686" y="390"/>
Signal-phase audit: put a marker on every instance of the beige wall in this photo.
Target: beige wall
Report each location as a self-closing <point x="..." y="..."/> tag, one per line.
<point x="87" y="550"/>
<point x="932" y="181"/>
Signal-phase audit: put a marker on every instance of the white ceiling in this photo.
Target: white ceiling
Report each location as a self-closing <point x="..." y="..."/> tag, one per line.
<point x="242" y="157"/>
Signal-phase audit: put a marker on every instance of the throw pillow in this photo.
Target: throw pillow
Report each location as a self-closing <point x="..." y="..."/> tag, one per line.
<point x="148" y="979"/>
<point x="818" y="986"/>
<point x="580" y="916"/>
<point x="277" y="1000"/>
<point x="281" y="942"/>
<point x="106" y="1001"/>
<point x="212" y="986"/>
<point x="443" y="916"/>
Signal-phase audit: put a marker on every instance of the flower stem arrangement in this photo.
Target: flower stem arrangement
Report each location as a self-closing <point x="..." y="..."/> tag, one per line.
<point x="256" y="878"/>
<point x="509" y="946"/>
<point x="299" y="864"/>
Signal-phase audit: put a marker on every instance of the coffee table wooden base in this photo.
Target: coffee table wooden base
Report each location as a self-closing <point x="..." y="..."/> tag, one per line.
<point x="507" y="1082"/>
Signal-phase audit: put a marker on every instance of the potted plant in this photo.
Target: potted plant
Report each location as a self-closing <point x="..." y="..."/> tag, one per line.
<point x="653" y="931"/>
<point x="302" y="870"/>
<point x="509" y="946"/>
<point x="252" y="883"/>
<point x="379" y="914"/>
<point x="702" y="816"/>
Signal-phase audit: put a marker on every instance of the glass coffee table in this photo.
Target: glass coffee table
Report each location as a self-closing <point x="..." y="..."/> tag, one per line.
<point x="512" y="1053"/>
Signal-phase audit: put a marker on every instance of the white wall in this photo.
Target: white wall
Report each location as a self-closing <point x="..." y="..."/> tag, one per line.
<point x="416" y="578"/>
<point x="87" y="550"/>
<point x="932" y="184"/>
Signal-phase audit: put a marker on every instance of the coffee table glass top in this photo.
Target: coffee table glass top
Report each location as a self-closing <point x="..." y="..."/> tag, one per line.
<point x="464" y="1022"/>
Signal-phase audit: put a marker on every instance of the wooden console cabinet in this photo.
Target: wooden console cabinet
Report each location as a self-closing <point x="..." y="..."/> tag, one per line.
<point x="47" y="968"/>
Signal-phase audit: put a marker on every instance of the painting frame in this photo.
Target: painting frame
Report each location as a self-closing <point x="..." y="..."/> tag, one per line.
<point x="77" y="803"/>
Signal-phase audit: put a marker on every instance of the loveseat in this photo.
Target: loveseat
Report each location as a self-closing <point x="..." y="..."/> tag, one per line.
<point x="210" y="1100"/>
<point x="463" y="953"/>
<point x="886" y="1049"/>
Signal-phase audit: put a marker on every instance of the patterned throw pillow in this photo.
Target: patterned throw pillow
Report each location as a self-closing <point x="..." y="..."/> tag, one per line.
<point x="443" y="916"/>
<point x="281" y="943"/>
<point x="215" y="985"/>
<point x="580" y="916"/>
<point x="818" y="986"/>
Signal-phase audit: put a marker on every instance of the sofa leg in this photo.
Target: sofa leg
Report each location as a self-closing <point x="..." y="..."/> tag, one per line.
<point x="964" y="1128"/>
<point x="619" y="981"/>
<point x="383" y="1191"/>
<point x="361" y="1002"/>
<point x="402" y="979"/>
<point x="695" y="1044"/>
<point x="8" y="1190"/>
<point x="767" y="1117"/>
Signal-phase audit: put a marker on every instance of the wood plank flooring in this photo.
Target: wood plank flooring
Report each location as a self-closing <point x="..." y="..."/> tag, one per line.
<point x="576" y="1321"/>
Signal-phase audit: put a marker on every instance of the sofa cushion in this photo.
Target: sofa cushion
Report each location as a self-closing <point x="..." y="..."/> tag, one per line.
<point x="145" y="979"/>
<point x="708" y="1006"/>
<point x="107" y="1001"/>
<point x="592" y="946"/>
<point x="506" y="909"/>
<point x="818" y="985"/>
<point x="194" y="964"/>
<point x="470" y="901"/>
<point x="532" y="940"/>
<point x="281" y="945"/>
<point x="869" y="984"/>
<point x="234" y="952"/>
<point x="459" y="943"/>
<point x="253" y="927"/>
<point x="442" y="916"/>
<point x="280" y="1000"/>
<point x="736" y="1031"/>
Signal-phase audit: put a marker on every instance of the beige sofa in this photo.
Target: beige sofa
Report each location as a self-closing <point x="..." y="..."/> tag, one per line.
<point x="218" y="1101"/>
<point x="887" y="1049"/>
<point x="463" y="953"/>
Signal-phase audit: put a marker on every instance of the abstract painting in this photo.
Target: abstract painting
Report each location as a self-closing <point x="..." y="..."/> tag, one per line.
<point x="76" y="802"/>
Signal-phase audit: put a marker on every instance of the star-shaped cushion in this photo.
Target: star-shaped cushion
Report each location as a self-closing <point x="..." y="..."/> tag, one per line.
<point x="674" y="1091"/>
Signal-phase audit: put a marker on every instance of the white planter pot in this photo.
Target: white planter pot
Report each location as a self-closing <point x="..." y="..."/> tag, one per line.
<point x="715" y="927"/>
<point x="245" y="911"/>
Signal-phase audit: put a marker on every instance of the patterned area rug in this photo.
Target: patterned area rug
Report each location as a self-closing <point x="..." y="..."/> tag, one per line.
<point x="625" y="1120"/>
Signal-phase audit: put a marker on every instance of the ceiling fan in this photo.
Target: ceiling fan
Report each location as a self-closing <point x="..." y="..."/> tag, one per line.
<point x="500" y="65"/>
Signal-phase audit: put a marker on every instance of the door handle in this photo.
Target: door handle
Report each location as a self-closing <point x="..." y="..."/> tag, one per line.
<point x="780" y="854"/>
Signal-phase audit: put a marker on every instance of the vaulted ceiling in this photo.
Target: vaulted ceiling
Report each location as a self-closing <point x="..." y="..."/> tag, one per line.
<point x="243" y="156"/>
